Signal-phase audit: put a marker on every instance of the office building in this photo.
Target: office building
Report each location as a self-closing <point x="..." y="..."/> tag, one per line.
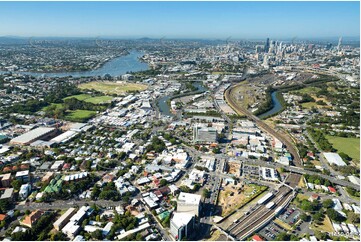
<point x="182" y="225"/>
<point x="267" y="45"/>
<point x="189" y="203"/>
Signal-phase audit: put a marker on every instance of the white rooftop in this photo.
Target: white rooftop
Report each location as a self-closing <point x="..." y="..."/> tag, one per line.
<point x="334" y="158"/>
<point x="31" y="135"/>
<point x="189" y="198"/>
<point x="181" y="219"/>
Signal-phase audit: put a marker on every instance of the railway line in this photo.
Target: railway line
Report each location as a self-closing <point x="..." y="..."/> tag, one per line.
<point x="258" y="223"/>
<point x="260" y="214"/>
<point x="290" y="147"/>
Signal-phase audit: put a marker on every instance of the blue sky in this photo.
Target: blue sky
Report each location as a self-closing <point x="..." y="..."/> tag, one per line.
<point x="181" y="19"/>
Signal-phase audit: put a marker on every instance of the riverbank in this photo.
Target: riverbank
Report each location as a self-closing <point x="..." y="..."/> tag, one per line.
<point x="163" y="102"/>
<point x="114" y="67"/>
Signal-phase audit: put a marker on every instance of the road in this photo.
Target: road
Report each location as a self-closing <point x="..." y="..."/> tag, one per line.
<point x="290" y="147"/>
<point x="302" y="171"/>
<point x="65" y="204"/>
<point x="324" y="163"/>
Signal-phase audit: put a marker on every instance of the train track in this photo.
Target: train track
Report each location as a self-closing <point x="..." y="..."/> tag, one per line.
<point x="261" y="220"/>
<point x="259" y="214"/>
<point x="290" y="147"/>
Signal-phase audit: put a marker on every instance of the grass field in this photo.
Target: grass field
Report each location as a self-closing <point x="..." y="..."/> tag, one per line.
<point x="59" y="105"/>
<point x="309" y="90"/>
<point x="309" y="105"/>
<point x="113" y="87"/>
<point x="79" y="115"/>
<point x="326" y="226"/>
<point x="349" y="146"/>
<point x="91" y="99"/>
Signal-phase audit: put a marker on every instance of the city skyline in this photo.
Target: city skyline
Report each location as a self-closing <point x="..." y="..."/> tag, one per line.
<point x="239" y="20"/>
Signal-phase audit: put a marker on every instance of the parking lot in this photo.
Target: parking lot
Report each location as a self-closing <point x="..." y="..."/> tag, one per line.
<point x="251" y="171"/>
<point x="290" y="216"/>
<point x="271" y="231"/>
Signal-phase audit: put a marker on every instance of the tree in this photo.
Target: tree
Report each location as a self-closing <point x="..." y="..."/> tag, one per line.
<point x="328" y="203"/>
<point x="282" y="237"/>
<point x="334" y="215"/>
<point x="58" y="236"/>
<point x="345" y="157"/>
<point x="318" y="217"/>
<point x="185" y="189"/>
<point x="4" y="205"/>
<point x="206" y="193"/>
<point x="95" y="193"/>
<point x="166" y="222"/>
<point x="163" y="182"/>
<point x="139" y="237"/>
<point x="304" y="217"/>
<point x="321" y="236"/>
<point x="16" y="184"/>
<point x="97" y="234"/>
<point x="353" y="217"/>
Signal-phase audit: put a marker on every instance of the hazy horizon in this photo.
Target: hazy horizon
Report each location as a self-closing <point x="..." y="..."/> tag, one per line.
<point x="181" y="20"/>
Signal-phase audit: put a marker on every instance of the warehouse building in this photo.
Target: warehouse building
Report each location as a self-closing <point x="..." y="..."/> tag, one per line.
<point x="42" y="133"/>
<point x="334" y="158"/>
<point x="204" y="135"/>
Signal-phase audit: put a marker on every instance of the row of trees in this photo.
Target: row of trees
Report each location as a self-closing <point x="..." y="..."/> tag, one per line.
<point x="321" y="139"/>
<point x="315" y="179"/>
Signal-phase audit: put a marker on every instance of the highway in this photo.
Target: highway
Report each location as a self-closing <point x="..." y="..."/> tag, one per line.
<point x="290" y="147"/>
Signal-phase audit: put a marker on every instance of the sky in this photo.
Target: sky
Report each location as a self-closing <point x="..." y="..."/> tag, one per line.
<point x="238" y="20"/>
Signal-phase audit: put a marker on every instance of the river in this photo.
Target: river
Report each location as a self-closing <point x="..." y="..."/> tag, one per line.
<point x="162" y="103"/>
<point x="277" y="106"/>
<point x="115" y="67"/>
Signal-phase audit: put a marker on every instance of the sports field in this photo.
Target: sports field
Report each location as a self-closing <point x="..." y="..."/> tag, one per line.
<point x="113" y="87"/>
<point x="349" y="146"/>
<point x="80" y="115"/>
<point x="91" y="99"/>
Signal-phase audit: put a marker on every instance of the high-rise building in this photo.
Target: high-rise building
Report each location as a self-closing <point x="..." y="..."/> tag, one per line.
<point x="259" y="48"/>
<point x="339" y="44"/>
<point x="181" y="225"/>
<point x="189" y="203"/>
<point x="267" y="45"/>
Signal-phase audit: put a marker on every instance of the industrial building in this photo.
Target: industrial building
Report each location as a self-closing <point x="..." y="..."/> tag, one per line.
<point x="204" y="135"/>
<point x="181" y="225"/>
<point x="33" y="135"/>
<point x="334" y="158"/>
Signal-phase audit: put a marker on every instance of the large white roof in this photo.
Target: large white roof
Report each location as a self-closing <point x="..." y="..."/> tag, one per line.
<point x="334" y="158"/>
<point x="31" y="135"/>
<point x="181" y="219"/>
<point x="189" y="198"/>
